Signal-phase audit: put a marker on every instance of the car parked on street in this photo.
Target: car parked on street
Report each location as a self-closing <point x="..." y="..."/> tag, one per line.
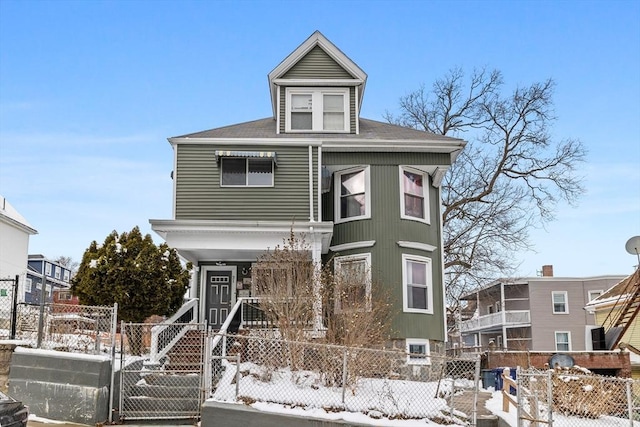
<point x="12" y="412"/>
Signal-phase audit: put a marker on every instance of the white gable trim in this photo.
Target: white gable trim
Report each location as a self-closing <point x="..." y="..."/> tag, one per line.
<point x="316" y="39"/>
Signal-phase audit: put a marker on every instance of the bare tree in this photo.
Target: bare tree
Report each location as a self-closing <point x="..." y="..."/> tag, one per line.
<point x="357" y="311"/>
<point x="285" y="280"/>
<point x="509" y="178"/>
<point x="295" y="293"/>
<point x="67" y="261"/>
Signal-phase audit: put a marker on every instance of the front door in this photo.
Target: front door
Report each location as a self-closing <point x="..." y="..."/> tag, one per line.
<point x="219" y="292"/>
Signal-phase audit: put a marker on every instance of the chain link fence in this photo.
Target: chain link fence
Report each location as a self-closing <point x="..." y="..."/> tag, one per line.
<point x="67" y="327"/>
<point x="574" y="397"/>
<point x="379" y="383"/>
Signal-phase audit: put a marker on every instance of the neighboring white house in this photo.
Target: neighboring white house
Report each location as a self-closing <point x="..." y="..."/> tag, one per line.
<point x="14" y="242"/>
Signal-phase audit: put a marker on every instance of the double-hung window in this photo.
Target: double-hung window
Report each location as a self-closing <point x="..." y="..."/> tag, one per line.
<point x="47" y="269"/>
<point x="417" y="284"/>
<point x="353" y="194"/>
<point x="317" y="110"/>
<point x="57" y="271"/>
<point x="353" y="282"/>
<point x="414" y="200"/>
<point x="560" y="302"/>
<point x="246" y="172"/>
<point x="563" y="341"/>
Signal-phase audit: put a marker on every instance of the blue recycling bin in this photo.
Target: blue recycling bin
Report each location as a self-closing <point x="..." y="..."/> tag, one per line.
<point x="488" y="378"/>
<point x="498" y="375"/>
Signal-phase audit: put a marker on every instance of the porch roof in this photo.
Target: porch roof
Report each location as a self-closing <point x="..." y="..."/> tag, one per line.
<point x="209" y="240"/>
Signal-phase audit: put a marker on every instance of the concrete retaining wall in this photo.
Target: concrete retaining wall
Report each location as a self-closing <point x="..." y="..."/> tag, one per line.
<point x="62" y="386"/>
<point x="238" y="415"/>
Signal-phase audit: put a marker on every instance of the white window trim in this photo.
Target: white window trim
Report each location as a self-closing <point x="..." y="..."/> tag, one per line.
<point x="47" y="269"/>
<point x="566" y="302"/>
<point x="28" y="286"/>
<point x="352" y="245"/>
<point x="355" y="257"/>
<point x="246" y="160"/>
<point x="57" y="272"/>
<point x="417" y="245"/>
<point x="555" y="337"/>
<point x="415" y="341"/>
<point x="317" y="107"/>
<point x="429" y="280"/>
<point x="66" y="275"/>
<point x="367" y="194"/>
<point x="593" y="291"/>
<point x="425" y="188"/>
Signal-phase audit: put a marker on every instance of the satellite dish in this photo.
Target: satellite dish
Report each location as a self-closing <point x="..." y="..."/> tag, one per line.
<point x="560" y="360"/>
<point x="633" y="245"/>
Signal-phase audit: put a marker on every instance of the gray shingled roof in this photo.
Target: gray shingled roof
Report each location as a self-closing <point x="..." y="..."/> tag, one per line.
<point x="369" y="130"/>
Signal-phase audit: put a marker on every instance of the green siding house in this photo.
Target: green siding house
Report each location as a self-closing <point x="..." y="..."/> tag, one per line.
<point x="358" y="190"/>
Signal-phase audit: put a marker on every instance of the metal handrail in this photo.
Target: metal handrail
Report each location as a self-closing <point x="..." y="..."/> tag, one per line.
<point x="186" y="315"/>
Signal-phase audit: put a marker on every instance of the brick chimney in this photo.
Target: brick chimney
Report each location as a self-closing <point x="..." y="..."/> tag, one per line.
<point x="547" y="271"/>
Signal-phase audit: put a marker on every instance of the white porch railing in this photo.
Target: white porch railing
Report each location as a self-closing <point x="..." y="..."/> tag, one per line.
<point x="507" y="318"/>
<point x="165" y="335"/>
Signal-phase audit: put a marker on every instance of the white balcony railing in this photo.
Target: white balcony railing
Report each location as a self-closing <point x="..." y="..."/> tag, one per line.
<point x="494" y="320"/>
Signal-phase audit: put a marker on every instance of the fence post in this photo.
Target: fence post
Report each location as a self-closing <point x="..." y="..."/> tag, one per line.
<point x="506" y="373"/>
<point x="237" y="375"/>
<point x="344" y="373"/>
<point x="630" y="403"/>
<point x="476" y="380"/>
<point x="14" y="311"/>
<point x="41" y="318"/>
<point x="122" y="362"/>
<point x="550" y="398"/>
<point x="114" y="330"/>
<point x="206" y="366"/>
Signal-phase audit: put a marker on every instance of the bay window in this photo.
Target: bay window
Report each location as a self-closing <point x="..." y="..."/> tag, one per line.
<point x="417" y="284"/>
<point x="353" y="282"/>
<point x="414" y="200"/>
<point x="353" y="195"/>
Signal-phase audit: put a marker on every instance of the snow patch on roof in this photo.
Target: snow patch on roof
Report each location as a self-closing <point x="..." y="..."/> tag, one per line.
<point x="11" y="213"/>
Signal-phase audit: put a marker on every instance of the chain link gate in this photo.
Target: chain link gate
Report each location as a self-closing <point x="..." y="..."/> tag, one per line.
<point x="535" y="398"/>
<point x="162" y="371"/>
<point x="8" y="301"/>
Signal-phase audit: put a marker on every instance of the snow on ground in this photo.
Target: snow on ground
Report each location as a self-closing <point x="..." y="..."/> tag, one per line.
<point x="495" y="406"/>
<point x="373" y="402"/>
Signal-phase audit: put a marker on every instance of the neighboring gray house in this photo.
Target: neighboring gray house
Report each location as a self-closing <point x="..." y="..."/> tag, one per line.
<point x="535" y="313"/>
<point x="362" y="191"/>
<point x="56" y="277"/>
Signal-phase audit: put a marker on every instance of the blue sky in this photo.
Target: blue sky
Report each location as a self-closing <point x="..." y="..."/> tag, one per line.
<point x="90" y="90"/>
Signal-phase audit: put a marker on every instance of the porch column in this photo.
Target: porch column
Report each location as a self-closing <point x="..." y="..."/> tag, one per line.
<point x="193" y="283"/>
<point x="505" y="343"/>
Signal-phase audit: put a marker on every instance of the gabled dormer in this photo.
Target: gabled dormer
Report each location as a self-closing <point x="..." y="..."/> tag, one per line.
<point x="317" y="89"/>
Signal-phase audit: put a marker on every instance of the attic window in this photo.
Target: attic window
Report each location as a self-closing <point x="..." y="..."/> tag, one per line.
<point x="317" y="110"/>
